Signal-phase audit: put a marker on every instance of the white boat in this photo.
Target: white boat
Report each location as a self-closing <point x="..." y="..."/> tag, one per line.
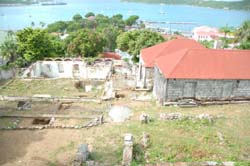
<point x="161" y="9"/>
<point x="53" y="3"/>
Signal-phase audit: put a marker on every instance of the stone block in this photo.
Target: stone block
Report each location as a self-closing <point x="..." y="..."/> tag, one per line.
<point x="24" y="105"/>
<point x="82" y="153"/>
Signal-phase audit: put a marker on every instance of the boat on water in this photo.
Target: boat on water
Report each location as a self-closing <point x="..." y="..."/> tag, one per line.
<point x="161" y="9"/>
<point x="53" y="3"/>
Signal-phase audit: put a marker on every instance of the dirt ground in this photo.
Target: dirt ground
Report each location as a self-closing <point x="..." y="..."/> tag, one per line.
<point x="39" y="148"/>
<point x="57" y="147"/>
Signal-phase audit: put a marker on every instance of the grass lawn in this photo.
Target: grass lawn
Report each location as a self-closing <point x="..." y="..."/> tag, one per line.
<point x="173" y="141"/>
<point x="54" y="87"/>
<point x="170" y="141"/>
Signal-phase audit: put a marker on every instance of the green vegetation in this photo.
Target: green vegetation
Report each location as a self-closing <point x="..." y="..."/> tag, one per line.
<point x="243" y="35"/>
<point x="89" y="14"/>
<point x="170" y="141"/>
<point x="3" y="35"/>
<point x="85" y="43"/>
<point x="178" y="141"/>
<point x="240" y="5"/>
<point x="33" y="45"/>
<point x="87" y="37"/>
<point x="134" y="41"/>
<point x="8" y="49"/>
<point x="58" y="88"/>
<point x="100" y="26"/>
<point x="207" y="44"/>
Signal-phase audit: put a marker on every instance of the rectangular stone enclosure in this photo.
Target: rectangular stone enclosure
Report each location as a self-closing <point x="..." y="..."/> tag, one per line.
<point x="174" y="89"/>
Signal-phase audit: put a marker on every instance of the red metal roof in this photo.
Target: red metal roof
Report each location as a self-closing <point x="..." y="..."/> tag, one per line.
<point x="149" y="55"/>
<point x="206" y="64"/>
<point x="111" y="55"/>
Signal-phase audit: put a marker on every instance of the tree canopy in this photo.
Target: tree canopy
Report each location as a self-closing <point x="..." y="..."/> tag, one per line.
<point x="243" y="35"/>
<point x="134" y="41"/>
<point x="89" y="14"/>
<point x="77" y="17"/>
<point x="34" y="44"/>
<point x="85" y="43"/>
<point x="8" y="49"/>
<point x="131" y="20"/>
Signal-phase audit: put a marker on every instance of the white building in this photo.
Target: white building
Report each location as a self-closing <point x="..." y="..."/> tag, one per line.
<point x="69" y="68"/>
<point x="203" y="33"/>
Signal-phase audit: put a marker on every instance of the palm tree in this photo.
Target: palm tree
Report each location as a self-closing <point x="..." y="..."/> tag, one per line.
<point x="243" y="33"/>
<point x="226" y="30"/>
<point x="8" y="49"/>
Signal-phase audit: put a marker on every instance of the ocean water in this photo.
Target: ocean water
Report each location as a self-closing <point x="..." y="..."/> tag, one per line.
<point x="18" y="17"/>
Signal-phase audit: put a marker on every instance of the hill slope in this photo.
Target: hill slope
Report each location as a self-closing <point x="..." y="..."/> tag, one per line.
<point x="239" y="5"/>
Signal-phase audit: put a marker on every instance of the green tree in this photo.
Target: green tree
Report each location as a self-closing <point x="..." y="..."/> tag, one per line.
<point x="226" y="30"/>
<point x="244" y="45"/>
<point x="77" y="17"/>
<point x="58" y="46"/>
<point x="42" y="24"/>
<point x="131" y="20"/>
<point x="34" y="44"/>
<point x="110" y="34"/>
<point x="89" y="14"/>
<point x="8" y="49"/>
<point x="207" y="44"/>
<point x="243" y="33"/>
<point x="102" y="20"/>
<point x="133" y="41"/>
<point x="85" y="43"/>
<point x="117" y="21"/>
<point x="59" y="26"/>
<point x="32" y="23"/>
<point x="74" y="26"/>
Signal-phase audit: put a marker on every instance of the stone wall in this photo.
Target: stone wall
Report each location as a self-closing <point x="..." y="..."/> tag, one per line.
<point x="145" y="76"/>
<point x="173" y="89"/>
<point x="160" y="84"/>
<point x="69" y="69"/>
<point x="7" y="74"/>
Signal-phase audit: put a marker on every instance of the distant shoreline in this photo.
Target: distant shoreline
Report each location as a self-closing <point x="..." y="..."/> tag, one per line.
<point x="226" y="5"/>
<point x="15" y="4"/>
<point x="21" y="3"/>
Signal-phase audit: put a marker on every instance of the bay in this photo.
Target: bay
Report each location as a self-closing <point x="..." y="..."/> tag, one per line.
<point x="18" y="17"/>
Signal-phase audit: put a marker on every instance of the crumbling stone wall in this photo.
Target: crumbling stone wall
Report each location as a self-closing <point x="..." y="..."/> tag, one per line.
<point x="173" y="89"/>
<point x="160" y="85"/>
<point x="7" y="74"/>
<point x="69" y="69"/>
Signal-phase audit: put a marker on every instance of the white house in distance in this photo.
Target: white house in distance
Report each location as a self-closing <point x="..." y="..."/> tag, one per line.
<point x="203" y="33"/>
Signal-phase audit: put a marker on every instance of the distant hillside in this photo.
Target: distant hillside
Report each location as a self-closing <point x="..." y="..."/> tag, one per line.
<point x="239" y="5"/>
<point x="13" y="2"/>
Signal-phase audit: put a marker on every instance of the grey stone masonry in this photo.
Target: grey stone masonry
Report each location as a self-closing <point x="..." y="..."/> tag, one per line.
<point x="210" y="89"/>
<point x="128" y="150"/>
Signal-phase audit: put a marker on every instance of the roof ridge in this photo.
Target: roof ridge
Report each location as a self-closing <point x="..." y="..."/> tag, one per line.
<point x="229" y="50"/>
<point x="183" y="56"/>
<point x="154" y="45"/>
<point x="170" y="42"/>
